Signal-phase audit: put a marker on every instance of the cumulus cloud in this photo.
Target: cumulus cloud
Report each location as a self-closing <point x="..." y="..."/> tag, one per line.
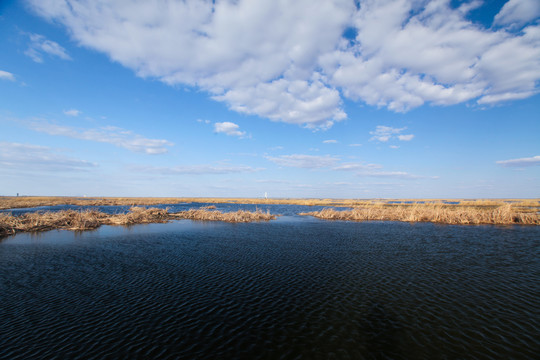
<point x="108" y="134"/>
<point x="17" y="156"/>
<point x="518" y="12"/>
<point x="292" y="62"/>
<point x="296" y="102"/>
<point x="228" y="128"/>
<point x="304" y="161"/>
<point x="40" y="45"/>
<point x="72" y="112"/>
<point x="523" y="162"/>
<point x="385" y="133"/>
<point x="330" y="141"/>
<point x="4" y="75"/>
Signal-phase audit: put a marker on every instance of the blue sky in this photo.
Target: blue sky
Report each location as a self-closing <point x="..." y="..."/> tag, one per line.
<point x="329" y="99"/>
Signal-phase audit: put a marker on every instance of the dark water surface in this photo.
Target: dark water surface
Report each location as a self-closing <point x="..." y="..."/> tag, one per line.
<point x="293" y="288"/>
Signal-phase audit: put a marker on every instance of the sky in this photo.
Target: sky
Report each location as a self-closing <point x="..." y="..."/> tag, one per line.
<point x="238" y="98"/>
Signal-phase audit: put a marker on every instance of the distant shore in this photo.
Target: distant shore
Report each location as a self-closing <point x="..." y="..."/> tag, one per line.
<point x="14" y="202"/>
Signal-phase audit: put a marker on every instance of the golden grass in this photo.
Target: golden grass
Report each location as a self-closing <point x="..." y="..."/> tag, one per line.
<point x="88" y="220"/>
<point x="502" y="215"/>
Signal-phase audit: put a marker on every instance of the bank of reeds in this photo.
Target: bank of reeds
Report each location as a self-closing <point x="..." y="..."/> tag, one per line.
<point x="88" y="220"/>
<point x="502" y="215"/>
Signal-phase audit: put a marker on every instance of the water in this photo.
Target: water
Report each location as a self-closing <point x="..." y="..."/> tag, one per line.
<point x="293" y="288"/>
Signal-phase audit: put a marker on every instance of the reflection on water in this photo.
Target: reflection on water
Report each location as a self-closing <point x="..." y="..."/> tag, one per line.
<point x="292" y="288"/>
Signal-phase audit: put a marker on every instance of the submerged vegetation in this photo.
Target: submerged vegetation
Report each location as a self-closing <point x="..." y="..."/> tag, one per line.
<point x="91" y="219"/>
<point x="447" y="214"/>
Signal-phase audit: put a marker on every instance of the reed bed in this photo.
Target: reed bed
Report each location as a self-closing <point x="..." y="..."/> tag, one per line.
<point x="214" y="215"/>
<point x="503" y="215"/>
<point x="88" y="220"/>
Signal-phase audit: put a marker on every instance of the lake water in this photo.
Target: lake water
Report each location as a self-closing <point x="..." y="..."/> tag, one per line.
<point x="293" y="288"/>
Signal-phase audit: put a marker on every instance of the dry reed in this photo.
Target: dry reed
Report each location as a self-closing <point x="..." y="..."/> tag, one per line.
<point x="502" y="215"/>
<point x="88" y="220"/>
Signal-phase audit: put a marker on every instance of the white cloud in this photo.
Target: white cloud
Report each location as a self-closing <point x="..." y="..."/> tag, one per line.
<point x="531" y="161"/>
<point x="355" y="145"/>
<point x="304" y="161"/>
<point x="443" y="57"/>
<point x="108" y="134"/>
<point x="229" y="128"/>
<point x="4" y="75"/>
<point x="195" y="169"/>
<point x="293" y="101"/>
<point x="518" y="12"/>
<point x="330" y="142"/>
<point x="28" y="157"/>
<point x="385" y="133"/>
<point x="373" y="170"/>
<point x="357" y="167"/>
<point x="72" y="112"/>
<point x="39" y="45"/>
<point x="360" y="169"/>
<point x="392" y="174"/>
<point x="406" y="137"/>
<point x="289" y="61"/>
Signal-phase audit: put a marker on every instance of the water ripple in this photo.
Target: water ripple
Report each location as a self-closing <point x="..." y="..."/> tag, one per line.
<point x="291" y="289"/>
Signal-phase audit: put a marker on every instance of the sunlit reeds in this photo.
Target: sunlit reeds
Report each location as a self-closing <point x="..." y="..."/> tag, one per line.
<point x="88" y="220"/>
<point x="502" y="215"/>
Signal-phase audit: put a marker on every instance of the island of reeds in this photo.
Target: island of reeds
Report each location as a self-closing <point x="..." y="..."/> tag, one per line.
<point x="500" y="215"/>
